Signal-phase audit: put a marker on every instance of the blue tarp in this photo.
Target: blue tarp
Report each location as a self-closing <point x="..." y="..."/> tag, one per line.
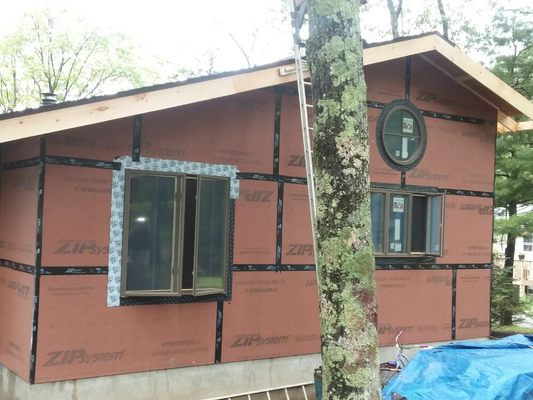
<point x="487" y="370"/>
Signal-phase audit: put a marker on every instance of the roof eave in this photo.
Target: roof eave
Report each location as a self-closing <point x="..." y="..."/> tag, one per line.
<point x="476" y="71"/>
<point x="143" y="101"/>
<point x="58" y="119"/>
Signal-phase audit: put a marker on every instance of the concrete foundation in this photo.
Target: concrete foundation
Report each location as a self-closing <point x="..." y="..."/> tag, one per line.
<point x="193" y="383"/>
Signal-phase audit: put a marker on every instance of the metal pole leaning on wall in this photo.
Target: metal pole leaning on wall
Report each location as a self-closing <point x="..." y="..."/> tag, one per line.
<point x="298" y="10"/>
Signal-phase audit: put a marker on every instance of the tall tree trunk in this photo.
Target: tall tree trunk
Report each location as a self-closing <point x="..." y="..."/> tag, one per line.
<point x="444" y="19"/>
<point x="344" y="239"/>
<point x="394" y="13"/>
<point x="507" y="317"/>
<point x="511" y="239"/>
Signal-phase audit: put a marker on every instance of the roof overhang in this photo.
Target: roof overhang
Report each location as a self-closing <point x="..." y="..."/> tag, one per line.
<point x="433" y="48"/>
<point x="450" y="60"/>
<point x="113" y="107"/>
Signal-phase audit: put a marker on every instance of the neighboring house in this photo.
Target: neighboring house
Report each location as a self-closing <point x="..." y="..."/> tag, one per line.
<point x="523" y="275"/>
<point x="523" y="262"/>
<point x="167" y="228"/>
<point x="523" y="247"/>
<point x="523" y="256"/>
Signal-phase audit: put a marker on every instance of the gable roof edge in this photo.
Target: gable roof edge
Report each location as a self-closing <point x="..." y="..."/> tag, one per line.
<point x="58" y="119"/>
<point x="399" y="49"/>
<point x="61" y="118"/>
<point x="484" y="76"/>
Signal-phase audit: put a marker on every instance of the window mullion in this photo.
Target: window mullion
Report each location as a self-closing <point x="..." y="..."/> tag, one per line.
<point x="196" y="232"/>
<point x="177" y="251"/>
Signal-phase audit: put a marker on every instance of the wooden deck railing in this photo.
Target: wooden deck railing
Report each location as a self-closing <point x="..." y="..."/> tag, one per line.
<point x="523" y="271"/>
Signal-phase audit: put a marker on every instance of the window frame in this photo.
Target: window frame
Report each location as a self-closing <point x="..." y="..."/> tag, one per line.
<point x="440" y="253"/>
<point x="528" y="243"/>
<point x="418" y="118"/>
<point x="386" y="218"/>
<point x="176" y="275"/>
<point x="206" y="292"/>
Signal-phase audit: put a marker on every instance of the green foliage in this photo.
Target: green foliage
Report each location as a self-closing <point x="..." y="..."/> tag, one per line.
<point x="517" y="225"/>
<point x="506" y="330"/>
<point x="58" y="53"/>
<point x="512" y="42"/>
<point x="506" y="304"/>
<point x="505" y="301"/>
<point x="514" y="170"/>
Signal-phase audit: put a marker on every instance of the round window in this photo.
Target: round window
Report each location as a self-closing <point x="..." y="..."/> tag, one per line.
<point x="401" y="135"/>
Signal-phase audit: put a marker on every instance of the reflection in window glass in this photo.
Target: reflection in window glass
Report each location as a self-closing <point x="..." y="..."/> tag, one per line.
<point x="398" y="217"/>
<point x="212" y="227"/>
<point x="150" y="232"/>
<point x="377" y="205"/>
<point x="401" y="135"/>
<point x="175" y="239"/>
<point x="435" y="218"/>
<point x="406" y="223"/>
<point x="418" y="224"/>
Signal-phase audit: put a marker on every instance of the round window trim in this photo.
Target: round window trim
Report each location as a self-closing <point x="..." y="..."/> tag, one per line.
<point x="418" y="120"/>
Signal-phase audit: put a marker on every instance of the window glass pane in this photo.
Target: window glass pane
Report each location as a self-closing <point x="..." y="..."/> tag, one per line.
<point x="401" y="135"/>
<point x="212" y="231"/>
<point x="418" y="227"/>
<point x="377" y="205"/>
<point x="394" y="122"/>
<point x="435" y="221"/>
<point x="528" y="243"/>
<point x="150" y="232"/>
<point x="398" y="217"/>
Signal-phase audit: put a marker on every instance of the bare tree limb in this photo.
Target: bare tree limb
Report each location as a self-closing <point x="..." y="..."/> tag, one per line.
<point x="444" y="19"/>
<point x="244" y="53"/>
<point x="394" y="13"/>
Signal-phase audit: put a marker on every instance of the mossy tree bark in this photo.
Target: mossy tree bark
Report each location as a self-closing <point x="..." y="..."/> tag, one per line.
<point x="344" y="239"/>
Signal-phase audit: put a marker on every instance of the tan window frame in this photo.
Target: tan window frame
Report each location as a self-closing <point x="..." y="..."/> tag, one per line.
<point x="386" y="222"/>
<point x="177" y="243"/>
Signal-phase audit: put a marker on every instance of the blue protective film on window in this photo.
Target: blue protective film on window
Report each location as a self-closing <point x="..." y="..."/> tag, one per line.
<point x="398" y="219"/>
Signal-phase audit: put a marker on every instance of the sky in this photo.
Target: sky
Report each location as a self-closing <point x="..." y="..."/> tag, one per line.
<point x="188" y="34"/>
<point x="183" y="32"/>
